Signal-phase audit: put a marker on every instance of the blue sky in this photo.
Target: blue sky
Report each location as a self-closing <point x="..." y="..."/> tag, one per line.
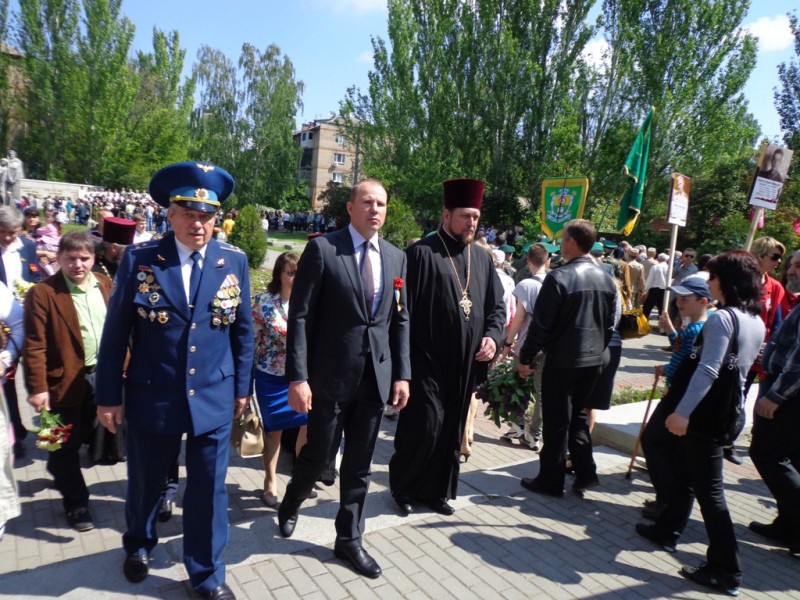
<point x="329" y="41"/>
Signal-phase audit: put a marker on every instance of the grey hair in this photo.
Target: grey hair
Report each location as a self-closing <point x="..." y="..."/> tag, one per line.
<point x="10" y="217"/>
<point x="663" y="257"/>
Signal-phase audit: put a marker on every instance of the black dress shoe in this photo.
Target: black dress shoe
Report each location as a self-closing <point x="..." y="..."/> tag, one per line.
<point x="652" y="513"/>
<point x="729" y="453"/>
<point x="358" y="558"/>
<point x="221" y="592"/>
<point x="534" y="486"/>
<point x="328" y="476"/>
<point x="405" y="504"/>
<point x="136" y="568"/>
<point x="581" y="486"/>
<point x="165" y="512"/>
<point x="649" y="532"/>
<point x="441" y="506"/>
<point x="287" y="525"/>
<point x="773" y="531"/>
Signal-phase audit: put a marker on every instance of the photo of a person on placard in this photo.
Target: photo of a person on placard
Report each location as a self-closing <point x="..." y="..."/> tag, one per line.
<point x="772" y="164"/>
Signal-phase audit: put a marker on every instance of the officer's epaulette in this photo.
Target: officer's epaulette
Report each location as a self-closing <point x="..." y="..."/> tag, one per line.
<point x="226" y="246"/>
<point x="144" y="245"/>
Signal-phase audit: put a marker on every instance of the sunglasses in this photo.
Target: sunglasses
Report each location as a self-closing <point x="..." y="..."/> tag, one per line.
<point x="776" y="257"/>
<point x="689" y="255"/>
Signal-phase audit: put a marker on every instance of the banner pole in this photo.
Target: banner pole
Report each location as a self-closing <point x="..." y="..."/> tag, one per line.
<point x="757" y="216"/>
<point x="673" y="243"/>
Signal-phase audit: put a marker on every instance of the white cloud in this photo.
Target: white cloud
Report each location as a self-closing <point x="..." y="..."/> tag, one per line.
<point x="362" y="6"/>
<point x="773" y="33"/>
<point x="365" y="58"/>
<point x="593" y="52"/>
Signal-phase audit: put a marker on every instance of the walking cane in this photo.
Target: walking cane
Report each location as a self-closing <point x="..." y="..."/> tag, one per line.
<point x="641" y="429"/>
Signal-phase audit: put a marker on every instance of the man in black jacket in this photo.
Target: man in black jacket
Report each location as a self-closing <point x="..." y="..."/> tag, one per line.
<point x="572" y="324"/>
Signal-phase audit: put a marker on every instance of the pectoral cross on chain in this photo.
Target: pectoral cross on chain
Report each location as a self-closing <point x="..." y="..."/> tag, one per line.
<point x="466" y="305"/>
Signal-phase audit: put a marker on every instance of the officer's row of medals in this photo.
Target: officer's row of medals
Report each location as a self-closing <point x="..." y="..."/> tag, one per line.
<point x="227" y="298"/>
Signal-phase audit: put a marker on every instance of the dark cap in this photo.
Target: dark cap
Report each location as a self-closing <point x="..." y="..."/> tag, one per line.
<point x="118" y="231"/>
<point x="463" y="193"/>
<point x="696" y="286"/>
<point x="194" y="185"/>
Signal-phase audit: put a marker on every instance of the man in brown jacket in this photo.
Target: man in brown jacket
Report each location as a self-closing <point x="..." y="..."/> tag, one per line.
<point x="64" y="317"/>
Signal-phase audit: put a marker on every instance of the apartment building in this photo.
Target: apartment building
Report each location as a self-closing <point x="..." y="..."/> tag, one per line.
<point x="326" y="157"/>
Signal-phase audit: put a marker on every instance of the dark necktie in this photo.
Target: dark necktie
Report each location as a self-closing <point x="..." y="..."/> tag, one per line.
<point x="194" y="278"/>
<point x="366" y="279"/>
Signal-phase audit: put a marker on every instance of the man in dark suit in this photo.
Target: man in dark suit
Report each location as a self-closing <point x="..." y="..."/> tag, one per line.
<point x="182" y="306"/>
<point x="64" y="316"/>
<point x="347" y="352"/>
<point x="18" y="262"/>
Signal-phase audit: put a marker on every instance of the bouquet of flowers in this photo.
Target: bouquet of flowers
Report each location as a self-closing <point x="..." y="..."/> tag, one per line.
<point x="20" y="289"/>
<point x="52" y="433"/>
<point x="505" y="393"/>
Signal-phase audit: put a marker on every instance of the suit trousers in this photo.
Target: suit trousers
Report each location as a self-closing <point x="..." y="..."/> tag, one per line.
<point x="659" y="448"/>
<point x="64" y="464"/>
<point x="205" y="502"/>
<point x="698" y="473"/>
<point x="566" y="426"/>
<point x="359" y="418"/>
<point x="775" y="450"/>
<point x="655" y="299"/>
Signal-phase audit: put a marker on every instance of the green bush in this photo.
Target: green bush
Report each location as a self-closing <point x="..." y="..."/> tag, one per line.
<point x="248" y="236"/>
<point x="400" y="225"/>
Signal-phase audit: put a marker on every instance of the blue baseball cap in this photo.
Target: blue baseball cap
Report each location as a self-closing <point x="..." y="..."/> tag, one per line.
<point x="195" y="185"/>
<point x="696" y="286"/>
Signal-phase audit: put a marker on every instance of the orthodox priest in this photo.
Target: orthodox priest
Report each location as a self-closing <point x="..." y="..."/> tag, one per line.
<point x="455" y="300"/>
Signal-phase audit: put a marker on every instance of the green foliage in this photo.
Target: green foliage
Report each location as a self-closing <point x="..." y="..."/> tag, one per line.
<point x="787" y="99"/>
<point x="249" y="237"/>
<point x="400" y="226"/>
<point x="259" y="280"/>
<point x="334" y="203"/>
<point x="629" y="395"/>
<point x="505" y="393"/>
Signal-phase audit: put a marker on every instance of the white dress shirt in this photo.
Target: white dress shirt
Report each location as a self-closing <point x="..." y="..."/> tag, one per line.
<point x="185" y="258"/>
<point x="375" y="259"/>
<point x="12" y="261"/>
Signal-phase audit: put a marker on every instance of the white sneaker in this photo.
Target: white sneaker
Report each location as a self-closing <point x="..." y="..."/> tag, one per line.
<point x="513" y="433"/>
<point x="531" y="442"/>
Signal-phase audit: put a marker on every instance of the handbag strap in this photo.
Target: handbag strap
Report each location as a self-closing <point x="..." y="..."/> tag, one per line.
<point x="732" y="353"/>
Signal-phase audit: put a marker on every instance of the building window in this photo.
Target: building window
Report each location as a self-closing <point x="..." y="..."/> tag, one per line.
<point x="338" y="178"/>
<point x="340" y="139"/>
<point x="338" y="158"/>
<point x="304" y="137"/>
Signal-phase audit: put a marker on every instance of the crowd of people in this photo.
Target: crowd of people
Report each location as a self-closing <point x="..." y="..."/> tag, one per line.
<point x="356" y="329"/>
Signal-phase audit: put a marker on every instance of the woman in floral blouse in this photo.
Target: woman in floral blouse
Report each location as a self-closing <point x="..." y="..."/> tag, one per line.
<point x="270" y="312"/>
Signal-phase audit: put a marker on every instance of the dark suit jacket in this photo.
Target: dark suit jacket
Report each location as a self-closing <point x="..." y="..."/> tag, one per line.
<point x="185" y="369"/>
<point x="53" y="350"/>
<point x="30" y="264"/>
<point x="330" y="336"/>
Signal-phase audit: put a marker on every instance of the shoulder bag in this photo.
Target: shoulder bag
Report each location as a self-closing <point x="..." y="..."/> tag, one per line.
<point x="247" y="436"/>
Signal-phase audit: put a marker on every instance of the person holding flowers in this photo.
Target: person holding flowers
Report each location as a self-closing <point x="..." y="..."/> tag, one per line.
<point x="64" y="316"/>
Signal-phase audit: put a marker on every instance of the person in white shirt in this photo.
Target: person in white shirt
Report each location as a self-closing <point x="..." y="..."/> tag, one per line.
<point x="655" y="285"/>
<point x="141" y="234"/>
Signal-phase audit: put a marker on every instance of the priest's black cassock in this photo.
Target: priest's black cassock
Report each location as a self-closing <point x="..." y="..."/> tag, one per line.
<point x="425" y="465"/>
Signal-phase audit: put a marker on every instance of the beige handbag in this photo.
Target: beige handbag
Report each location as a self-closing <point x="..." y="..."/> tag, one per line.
<point x="247" y="436"/>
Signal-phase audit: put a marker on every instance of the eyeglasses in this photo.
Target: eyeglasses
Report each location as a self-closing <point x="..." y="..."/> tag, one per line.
<point x="777" y="257"/>
<point x="689" y="255"/>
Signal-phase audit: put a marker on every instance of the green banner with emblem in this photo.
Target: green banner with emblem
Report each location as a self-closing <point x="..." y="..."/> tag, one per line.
<point x="563" y="199"/>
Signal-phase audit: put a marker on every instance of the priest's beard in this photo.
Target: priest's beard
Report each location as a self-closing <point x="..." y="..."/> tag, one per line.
<point x="464" y="238"/>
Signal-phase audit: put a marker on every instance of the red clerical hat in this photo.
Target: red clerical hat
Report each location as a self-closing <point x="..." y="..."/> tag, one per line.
<point x="118" y="231"/>
<point x="463" y="193"/>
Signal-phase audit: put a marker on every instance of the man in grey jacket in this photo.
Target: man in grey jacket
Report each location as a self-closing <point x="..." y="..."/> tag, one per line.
<point x="775" y="446"/>
<point x="572" y="325"/>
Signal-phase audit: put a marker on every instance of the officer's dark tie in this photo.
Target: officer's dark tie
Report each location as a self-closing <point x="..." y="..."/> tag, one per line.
<point x="366" y="279"/>
<point x="194" y="278"/>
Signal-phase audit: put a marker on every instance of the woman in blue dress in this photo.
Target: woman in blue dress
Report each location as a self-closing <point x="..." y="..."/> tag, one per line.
<point x="270" y="312"/>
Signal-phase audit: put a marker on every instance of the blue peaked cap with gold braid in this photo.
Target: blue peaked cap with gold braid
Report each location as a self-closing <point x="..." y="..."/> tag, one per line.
<point x="191" y="184"/>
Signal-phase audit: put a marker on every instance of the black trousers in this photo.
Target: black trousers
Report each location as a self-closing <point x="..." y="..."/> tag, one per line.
<point x="698" y="473"/>
<point x="566" y="426"/>
<point x="64" y="464"/>
<point x="10" y="392"/>
<point x="659" y="447"/>
<point x="775" y="450"/>
<point x="359" y="418"/>
<point x="655" y="299"/>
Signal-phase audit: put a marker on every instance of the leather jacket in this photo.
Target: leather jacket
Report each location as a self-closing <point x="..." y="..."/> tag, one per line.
<point x="574" y="316"/>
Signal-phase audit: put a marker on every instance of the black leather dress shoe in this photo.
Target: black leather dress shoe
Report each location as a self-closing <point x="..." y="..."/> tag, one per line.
<point x="221" y="592"/>
<point x="534" y="486"/>
<point x="358" y="558"/>
<point x="772" y="531"/>
<point x="287" y="525"/>
<point x="405" y="504"/>
<point x="581" y="486"/>
<point x="441" y="506"/>
<point x="136" y="568"/>
<point x="165" y="511"/>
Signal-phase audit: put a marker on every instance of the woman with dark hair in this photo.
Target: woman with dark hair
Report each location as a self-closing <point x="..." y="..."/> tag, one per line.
<point x="270" y="312"/>
<point x="735" y="282"/>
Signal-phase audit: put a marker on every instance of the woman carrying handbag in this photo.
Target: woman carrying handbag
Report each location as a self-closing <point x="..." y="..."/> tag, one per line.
<point x="707" y="395"/>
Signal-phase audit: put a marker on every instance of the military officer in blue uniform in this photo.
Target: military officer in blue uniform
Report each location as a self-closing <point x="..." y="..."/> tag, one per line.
<point x="181" y="306"/>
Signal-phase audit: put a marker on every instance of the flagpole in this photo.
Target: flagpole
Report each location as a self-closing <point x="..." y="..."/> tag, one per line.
<point x="673" y="244"/>
<point x="757" y="216"/>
